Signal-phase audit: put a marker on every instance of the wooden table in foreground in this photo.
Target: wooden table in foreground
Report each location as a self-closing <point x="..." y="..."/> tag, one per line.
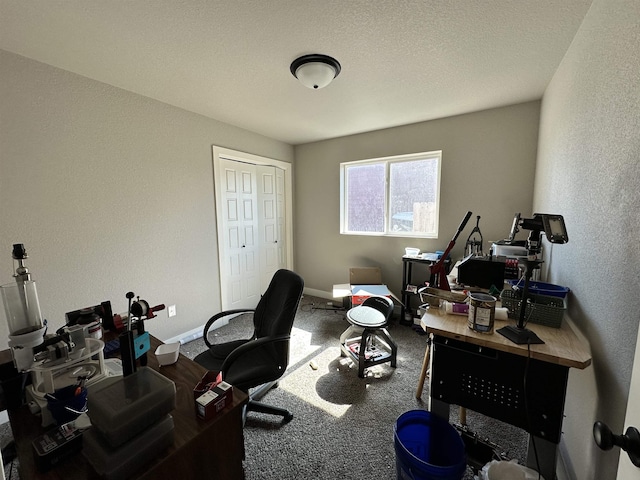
<point x="521" y="385"/>
<point x="211" y="449"/>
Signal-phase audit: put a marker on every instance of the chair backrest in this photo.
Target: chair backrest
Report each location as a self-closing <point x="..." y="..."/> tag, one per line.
<point x="383" y="304"/>
<point x="277" y="309"/>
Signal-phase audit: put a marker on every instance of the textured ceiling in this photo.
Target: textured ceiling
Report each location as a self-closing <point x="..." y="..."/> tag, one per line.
<point x="402" y="61"/>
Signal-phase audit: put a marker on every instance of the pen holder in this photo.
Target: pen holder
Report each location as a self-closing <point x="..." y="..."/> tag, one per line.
<point x="66" y="404"/>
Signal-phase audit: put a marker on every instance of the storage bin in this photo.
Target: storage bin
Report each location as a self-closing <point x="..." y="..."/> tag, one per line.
<point x="542" y="288"/>
<point x="543" y="309"/>
<point x="121" y="409"/>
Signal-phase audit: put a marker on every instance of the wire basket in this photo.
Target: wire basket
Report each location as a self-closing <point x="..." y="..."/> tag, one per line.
<point x="543" y="309"/>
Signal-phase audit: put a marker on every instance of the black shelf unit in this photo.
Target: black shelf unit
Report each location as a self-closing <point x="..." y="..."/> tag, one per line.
<point x="410" y="277"/>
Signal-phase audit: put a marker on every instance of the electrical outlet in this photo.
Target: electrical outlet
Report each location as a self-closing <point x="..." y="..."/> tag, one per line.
<point x="171" y="311"/>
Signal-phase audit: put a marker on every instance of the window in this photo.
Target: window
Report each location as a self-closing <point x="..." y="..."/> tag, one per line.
<point x="396" y="196"/>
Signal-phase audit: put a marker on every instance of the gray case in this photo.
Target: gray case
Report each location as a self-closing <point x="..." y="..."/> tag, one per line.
<point x="122" y="462"/>
<point x="119" y="410"/>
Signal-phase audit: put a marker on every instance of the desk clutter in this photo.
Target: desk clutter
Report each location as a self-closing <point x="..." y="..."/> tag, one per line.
<point x="514" y="261"/>
<point x="127" y="423"/>
<point x="89" y="401"/>
<point x="131" y="422"/>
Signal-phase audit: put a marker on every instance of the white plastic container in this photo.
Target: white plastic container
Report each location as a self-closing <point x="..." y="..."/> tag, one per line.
<point x="509" y="250"/>
<point x="411" y="252"/>
<point x="167" y="353"/>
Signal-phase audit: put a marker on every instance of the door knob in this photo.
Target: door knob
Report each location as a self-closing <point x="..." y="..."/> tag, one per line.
<point x="629" y="442"/>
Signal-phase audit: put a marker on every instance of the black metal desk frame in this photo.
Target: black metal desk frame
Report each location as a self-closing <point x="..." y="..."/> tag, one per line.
<point x="491" y="382"/>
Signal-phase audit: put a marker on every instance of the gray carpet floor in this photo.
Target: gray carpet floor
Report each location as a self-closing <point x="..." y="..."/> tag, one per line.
<point x="343" y="425"/>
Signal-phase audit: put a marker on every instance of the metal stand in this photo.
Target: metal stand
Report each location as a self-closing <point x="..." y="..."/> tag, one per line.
<point x="519" y="334"/>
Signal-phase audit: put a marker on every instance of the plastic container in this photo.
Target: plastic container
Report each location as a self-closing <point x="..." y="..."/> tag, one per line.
<point x="542" y="288"/>
<point x="428" y="448"/>
<point x="127" y="406"/>
<point x="411" y="252"/>
<point x="123" y="462"/>
<point x="509" y="250"/>
<point x="511" y="470"/>
<point x="456" y="308"/>
<point x="167" y="353"/>
<point x="67" y="403"/>
<point x="21" y="306"/>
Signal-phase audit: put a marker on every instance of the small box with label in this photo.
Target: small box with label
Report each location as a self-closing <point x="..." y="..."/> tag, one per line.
<point x="210" y="403"/>
<point x="206" y="383"/>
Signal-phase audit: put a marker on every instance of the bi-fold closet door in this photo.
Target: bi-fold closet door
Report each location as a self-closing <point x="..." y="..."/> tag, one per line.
<point x="251" y="229"/>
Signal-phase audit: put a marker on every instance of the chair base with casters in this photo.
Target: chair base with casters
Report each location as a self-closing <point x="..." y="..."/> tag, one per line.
<point x="367" y="340"/>
<point x="254" y="405"/>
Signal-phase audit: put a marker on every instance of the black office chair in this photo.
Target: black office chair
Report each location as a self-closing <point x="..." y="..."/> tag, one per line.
<point x="372" y="344"/>
<point x="261" y="360"/>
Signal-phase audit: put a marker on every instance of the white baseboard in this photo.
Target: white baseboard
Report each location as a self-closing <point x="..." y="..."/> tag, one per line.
<point x="319" y="293"/>
<point x="186" y="336"/>
<point x="564" y="468"/>
<point x="196" y="333"/>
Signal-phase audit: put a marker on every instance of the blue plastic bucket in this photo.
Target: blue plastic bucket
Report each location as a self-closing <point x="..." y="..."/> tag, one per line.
<point x="428" y="448"/>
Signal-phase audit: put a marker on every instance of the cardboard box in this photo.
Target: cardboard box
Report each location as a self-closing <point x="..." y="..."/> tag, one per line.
<point x="208" y="381"/>
<point x="359" y="293"/>
<point x="363" y="283"/>
<point x="211" y="395"/>
<point x="210" y="403"/>
<point x="365" y="276"/>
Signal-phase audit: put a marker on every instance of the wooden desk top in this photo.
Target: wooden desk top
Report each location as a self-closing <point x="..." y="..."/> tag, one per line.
<point x="187" y="427"/>
<point x="562" y="346"/>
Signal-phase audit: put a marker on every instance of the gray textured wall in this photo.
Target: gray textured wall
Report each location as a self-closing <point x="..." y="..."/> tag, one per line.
<point x="110" y="192"/>
<point x="488" y="166"/>
<point x="587" y="170"/>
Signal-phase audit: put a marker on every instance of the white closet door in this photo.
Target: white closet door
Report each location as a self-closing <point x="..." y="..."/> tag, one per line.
<point x="253" y="228"/>
<point x="268" y="224"/>
<point x="240" y="279"/>
<point x="254" y="224"/>
<point x="281" y="217"/>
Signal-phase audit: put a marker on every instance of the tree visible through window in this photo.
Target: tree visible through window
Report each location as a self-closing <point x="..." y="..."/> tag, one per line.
<point x="391" y="196"/>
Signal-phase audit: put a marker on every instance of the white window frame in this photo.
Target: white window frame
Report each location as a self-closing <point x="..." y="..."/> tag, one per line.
<point x="387" y="161"/>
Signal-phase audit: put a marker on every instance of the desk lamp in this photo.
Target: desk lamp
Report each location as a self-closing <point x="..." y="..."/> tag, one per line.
<point x="556" y="232"/>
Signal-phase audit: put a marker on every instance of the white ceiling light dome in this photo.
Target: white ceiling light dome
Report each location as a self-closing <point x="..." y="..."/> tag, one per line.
<point x="315" y="71"/>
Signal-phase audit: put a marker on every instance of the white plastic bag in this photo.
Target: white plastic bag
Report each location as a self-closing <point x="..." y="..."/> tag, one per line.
<point x="510" y="470"/>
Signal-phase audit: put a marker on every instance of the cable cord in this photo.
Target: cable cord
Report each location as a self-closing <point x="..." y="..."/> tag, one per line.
<point x="533" y="307"/>
<point x="526" y="409"/>
<point x="310" y="307"/>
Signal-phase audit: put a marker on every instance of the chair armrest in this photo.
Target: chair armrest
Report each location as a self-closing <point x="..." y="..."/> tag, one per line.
<point x="249" y="346"/>
<point x="218" y="316"/>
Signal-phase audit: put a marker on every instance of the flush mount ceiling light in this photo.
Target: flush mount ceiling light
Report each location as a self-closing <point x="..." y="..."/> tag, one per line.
<point x="315" y="70"/>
